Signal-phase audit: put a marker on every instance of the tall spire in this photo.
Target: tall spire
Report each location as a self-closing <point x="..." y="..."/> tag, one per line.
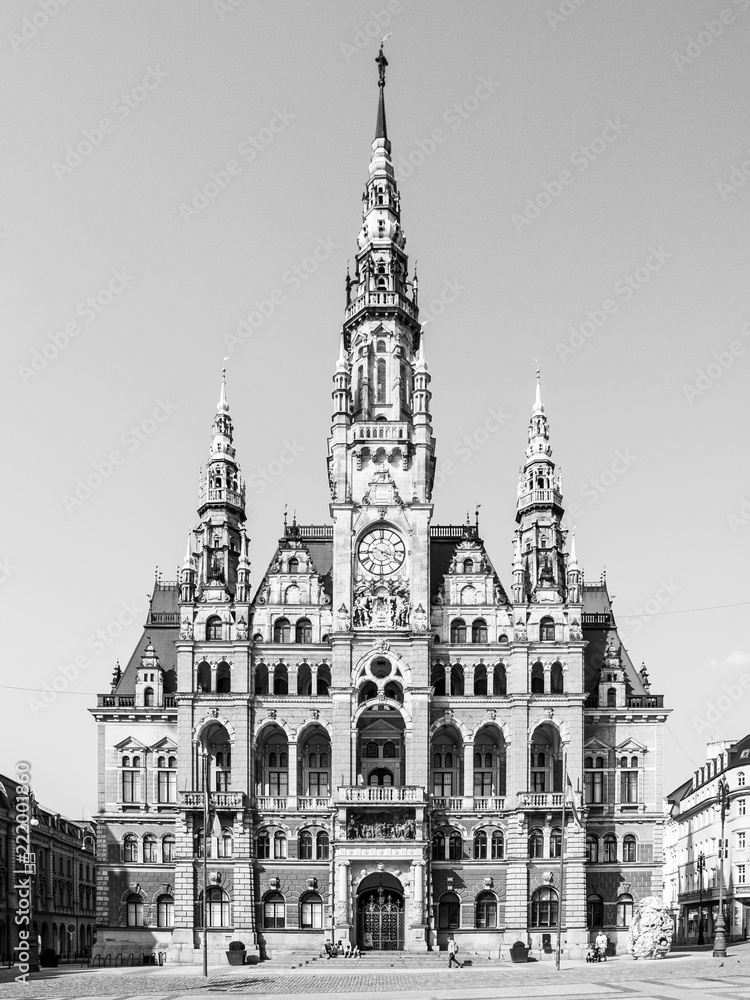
<point x="381" y="131"/>
<point x="223" y="405"/>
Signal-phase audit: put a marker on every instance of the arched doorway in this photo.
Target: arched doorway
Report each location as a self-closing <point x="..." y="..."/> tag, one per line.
<point x="380" y="913"/>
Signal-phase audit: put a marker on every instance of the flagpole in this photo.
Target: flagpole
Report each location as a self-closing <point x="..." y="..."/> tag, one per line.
<point x="562" y="867"/>
<point x="205" y="863"/>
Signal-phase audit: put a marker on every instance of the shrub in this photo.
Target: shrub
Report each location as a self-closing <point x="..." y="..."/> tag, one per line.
<point x="236" y="946"/>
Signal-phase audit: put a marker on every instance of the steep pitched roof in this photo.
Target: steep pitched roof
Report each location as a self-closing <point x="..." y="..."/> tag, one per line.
<point x="162" y="628"/>
<point x="599" y="627"/>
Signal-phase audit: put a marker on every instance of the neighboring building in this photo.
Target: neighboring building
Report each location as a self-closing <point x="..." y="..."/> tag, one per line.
<point x="385" y="724"/>
<point x="64" y="884"/>
<point x="694" y="828"/>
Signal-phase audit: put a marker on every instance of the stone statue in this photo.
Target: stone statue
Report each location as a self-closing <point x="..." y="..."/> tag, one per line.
<point x="651" y="930"/>
<point x="342" y="619"/>
<point x="242" y="630"/>
<point x="419" y="619"/>
<point x="186" y="629"/>
<point x="575" y="630"/>
<point x="520" y="631"/>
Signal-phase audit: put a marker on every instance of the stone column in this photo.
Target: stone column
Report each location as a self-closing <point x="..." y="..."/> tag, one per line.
<point x="547" y="677"/>
<point x="292" y="779"/>
<point x="342" y="894"/>
<point x="314" y="679"/>
<point x="468" y="770"/>
<point x="417" y="873"/>
<point x="448" y="671"/>
<point x="469" y="678"/>
<point x="292" y="669"/>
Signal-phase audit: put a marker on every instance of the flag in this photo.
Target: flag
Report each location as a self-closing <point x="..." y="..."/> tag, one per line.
<point x="216" y="826"/>
<point x="571" y="801"/>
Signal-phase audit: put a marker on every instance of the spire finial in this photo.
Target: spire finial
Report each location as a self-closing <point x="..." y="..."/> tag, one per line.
<point x="538" y="408"/>
<point x="381" y="131"/>
<point x="223" y="406"/>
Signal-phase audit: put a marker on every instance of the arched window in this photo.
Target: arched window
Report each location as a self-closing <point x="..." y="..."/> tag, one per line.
<point x="438" y="846"/>
<point x="556" y="678"/>
<point x="381" y="380"/>
<point x="148" y="698"/>
<point x="293" y="565"/>
<point x="130" y="849"/>
<point x="204" y="678"/>
<point x="537" y="678"/>
<point x="740" y="779"/>
<point x="303" y="630"/>
<point x="165" y="911"/>
<point x="485" y="910"/>
<point x="226" y="844"/>
<point x="480" y="680"/>
<point x="310" y="911"/>
<point x="625" y="910"/>
<point x="555" y="843"/>
<point x="380" y="776"/>
<point x="167" y="849"/>
<point x="498" y="845"/>
<point x="611" y="698"/>
<point x="458" y="630"/>
<point x="264" y="845"/>
<point x="547" y="630"/>
<point x="594" y="910"/>
<point x="274" y="911"/>
<point x="279" y="846"/>
<point x="629" y="848"/>
<point x="282" y="631"/>
<point x="610" y="848"/>
<point x="218" y="913"/>
<point x="592" y="848"/>
<point x="322" y="846"/>
<point x="134" y="910"/>
<point x="449" y="912"/>
<point x="213" y="629"/>
<point x="468" y="565"/>
<point x="536" y="843"/>
<point x="371" y="750"/>
<point x="500" y="679"/>
<point x="479" y="630"/>
<point x="149" y="849"/>
<point x="305" y="845"/>
<point x="389" y="749"/>
<point x="480" y="845"/>
<point x="455" y="847"/>
<point x="223" y="678"/>
<point x="544" y="908"/>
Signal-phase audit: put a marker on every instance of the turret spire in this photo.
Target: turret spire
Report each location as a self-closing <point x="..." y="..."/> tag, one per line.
<point x="223" y="405"/>
<point x="381" y="131"/>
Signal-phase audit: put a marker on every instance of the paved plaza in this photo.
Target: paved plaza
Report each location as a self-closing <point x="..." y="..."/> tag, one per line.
<point x="679" y="976"/>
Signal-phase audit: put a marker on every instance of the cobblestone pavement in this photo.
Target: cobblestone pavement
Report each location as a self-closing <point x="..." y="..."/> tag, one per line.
<point x="676" y="978"/>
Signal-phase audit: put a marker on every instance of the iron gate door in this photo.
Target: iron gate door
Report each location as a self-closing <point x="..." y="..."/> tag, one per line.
<point x="381" y="922"/>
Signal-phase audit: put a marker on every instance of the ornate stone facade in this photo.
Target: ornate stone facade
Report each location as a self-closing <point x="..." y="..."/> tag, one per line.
<point x="384" y="727"/>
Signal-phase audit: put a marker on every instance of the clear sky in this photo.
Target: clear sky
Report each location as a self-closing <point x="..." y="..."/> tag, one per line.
<point x="573" y="188"/>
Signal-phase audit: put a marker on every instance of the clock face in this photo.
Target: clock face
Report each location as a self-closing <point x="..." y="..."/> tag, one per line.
<point x="381" y="551"/>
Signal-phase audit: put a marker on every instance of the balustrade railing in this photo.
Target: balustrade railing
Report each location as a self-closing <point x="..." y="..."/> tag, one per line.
<point x="217" y="800"/>
<point x="378" y="794"/>
<point x="540" y="800"/>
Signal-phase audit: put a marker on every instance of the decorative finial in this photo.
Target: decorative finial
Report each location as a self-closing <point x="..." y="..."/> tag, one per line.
<point x="382" y="62"/>
<point x="381" y="131"/>
<point x="223" y="406"/>
<point x="538" y="408"/>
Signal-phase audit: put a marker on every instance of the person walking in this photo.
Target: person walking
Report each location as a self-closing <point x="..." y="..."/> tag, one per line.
<point x="452" y="952"/>
<point x="601" y="943"/>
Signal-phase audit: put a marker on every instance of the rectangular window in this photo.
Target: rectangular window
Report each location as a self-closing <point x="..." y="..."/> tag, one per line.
<point x="593" y="786"/>
<point x="312" y="915"/>
<point x="741" y="807"/>
<point x="277" y="782"/>
<point x="222" y="781"/>
<point x="629" y="786"/>
<point x="537" y="781"/>
<point x="167" y="786"/>
<point x="318" y="783"/>
<point x="131" y="786"/>
<point x="741" y="874"/>
<point x="443" y="783"/>
<point x="741" y="840"/>
<point x="483" y="783"/>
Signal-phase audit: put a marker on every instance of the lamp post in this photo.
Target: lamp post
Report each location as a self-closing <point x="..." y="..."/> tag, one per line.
<point x="720" y="937"/>
<point x="701" y="866"/>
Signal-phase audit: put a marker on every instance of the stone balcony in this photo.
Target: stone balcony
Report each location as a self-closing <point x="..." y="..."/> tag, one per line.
<point x="540" y="800"/>
<point x="468" y="803"/>
<point x="378" y="795"/>
<point x="217" y="800"/>
<point x="293" y="803"/>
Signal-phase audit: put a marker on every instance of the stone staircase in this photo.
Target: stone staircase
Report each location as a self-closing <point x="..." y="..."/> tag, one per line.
<point x="382" y="960"/>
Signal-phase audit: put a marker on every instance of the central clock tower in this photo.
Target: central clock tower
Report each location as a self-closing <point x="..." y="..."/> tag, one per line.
<point x="381" y="450"/>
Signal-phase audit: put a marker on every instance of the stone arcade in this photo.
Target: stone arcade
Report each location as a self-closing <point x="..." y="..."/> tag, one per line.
<point x="382" y="724"/>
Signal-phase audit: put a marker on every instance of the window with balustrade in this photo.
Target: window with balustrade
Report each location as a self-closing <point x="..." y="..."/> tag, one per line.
<point x="445" y="771"/>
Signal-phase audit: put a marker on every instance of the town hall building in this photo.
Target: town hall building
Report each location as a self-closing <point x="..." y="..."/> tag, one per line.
<point x="382" y="722"/>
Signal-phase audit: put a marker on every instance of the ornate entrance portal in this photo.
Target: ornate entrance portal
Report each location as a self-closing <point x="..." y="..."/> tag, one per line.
<point x="380" y="914"/>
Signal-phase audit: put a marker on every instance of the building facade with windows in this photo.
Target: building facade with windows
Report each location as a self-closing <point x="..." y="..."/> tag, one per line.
<point x="63" y="906"/>
<point x="384" y="727"/>
<point x="698" y="857"/>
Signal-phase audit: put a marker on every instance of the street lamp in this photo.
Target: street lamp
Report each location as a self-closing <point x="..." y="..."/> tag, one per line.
<point x="701" y="866"/>
<point x="720" y="937"/>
